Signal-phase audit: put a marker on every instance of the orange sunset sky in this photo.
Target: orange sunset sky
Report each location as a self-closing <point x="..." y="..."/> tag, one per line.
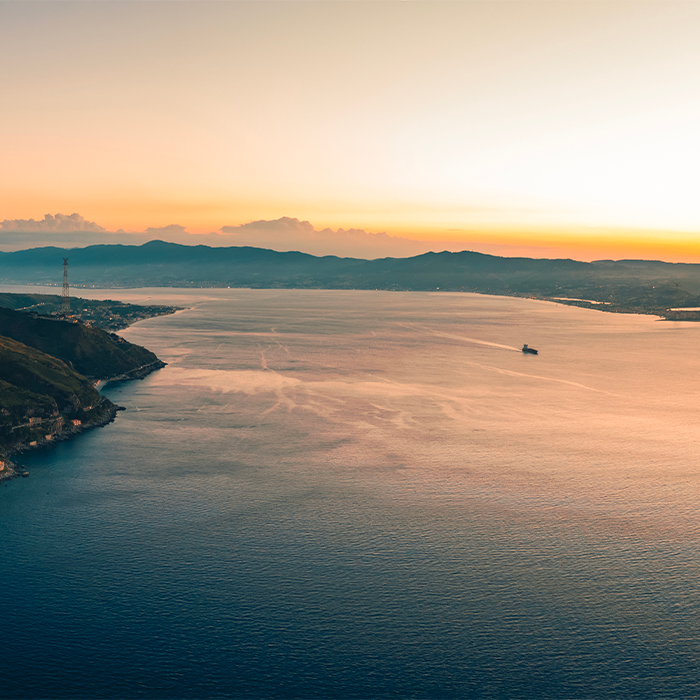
<point x="535" y="128"/>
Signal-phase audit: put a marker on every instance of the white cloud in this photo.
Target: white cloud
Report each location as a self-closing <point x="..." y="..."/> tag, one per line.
<point x="292" y="234"/>
<point x="61" y="223"/>
<point x="283" y="234"/>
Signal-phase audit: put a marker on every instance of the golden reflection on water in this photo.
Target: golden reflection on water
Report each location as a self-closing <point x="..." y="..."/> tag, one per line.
<point x="375" y="494"/>
<point x="430" y="389"/>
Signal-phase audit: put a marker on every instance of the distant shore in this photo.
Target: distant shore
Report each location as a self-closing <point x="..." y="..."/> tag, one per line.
<point x="673" y="314"/>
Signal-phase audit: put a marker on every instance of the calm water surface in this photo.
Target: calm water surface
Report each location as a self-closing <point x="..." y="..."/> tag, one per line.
<point x="368" y="495"/>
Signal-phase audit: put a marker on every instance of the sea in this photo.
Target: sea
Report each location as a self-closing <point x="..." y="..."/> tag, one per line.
<point x="368" y="494"/>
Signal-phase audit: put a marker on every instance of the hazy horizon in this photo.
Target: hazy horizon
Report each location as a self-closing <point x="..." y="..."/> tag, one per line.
<point x="290" y="234"/>
<point x="517" y="128"/>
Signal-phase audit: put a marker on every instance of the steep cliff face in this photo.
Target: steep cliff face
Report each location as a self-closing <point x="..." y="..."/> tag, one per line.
<point x="42" y="398"/>
<point x="47" y="370"/>
<point x="90" y="351"/>
<point x="42" y="374"/>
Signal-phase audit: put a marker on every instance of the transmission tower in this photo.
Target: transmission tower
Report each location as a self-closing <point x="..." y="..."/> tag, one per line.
<point x="65" y="298"/>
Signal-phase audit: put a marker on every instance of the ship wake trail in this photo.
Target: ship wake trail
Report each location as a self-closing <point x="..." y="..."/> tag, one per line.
<point x="453" y="336"/>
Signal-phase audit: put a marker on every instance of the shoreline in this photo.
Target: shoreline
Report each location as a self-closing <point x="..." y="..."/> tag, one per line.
<point x="661" y="313"/>
<point x="12" y="469"/>
<point x="668" y="313"/>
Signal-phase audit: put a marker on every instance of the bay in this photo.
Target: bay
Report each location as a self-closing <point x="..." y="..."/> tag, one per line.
<point x="368" y="494"/>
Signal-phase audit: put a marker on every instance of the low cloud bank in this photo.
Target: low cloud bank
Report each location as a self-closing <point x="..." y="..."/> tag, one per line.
<point x="61" y="231"/>
<point x="60" y="223"/>
<point x="292" y="234"/>
<point x="283" y="234"/>
<point x="167" y="231"/>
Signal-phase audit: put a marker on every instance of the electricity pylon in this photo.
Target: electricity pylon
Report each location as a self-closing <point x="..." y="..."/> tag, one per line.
<point x="65" y="298"/>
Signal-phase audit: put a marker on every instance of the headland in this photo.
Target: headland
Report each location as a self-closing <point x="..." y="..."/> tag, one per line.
<point x="50" y="371"/>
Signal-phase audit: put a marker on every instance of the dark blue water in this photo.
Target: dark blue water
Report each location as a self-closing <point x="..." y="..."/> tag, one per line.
<point x="352" y="495"/>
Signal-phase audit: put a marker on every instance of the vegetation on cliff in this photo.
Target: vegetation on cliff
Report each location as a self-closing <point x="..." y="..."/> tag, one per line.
<point x="90" y="351"/>
<point x="42" y="398"/>
<point x="48" y="367"/>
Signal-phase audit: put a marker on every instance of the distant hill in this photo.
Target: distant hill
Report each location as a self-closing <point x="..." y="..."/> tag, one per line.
<point x="625" y="285"/>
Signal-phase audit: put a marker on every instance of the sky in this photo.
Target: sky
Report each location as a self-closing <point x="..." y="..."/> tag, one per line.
<point x="548" y="129"/>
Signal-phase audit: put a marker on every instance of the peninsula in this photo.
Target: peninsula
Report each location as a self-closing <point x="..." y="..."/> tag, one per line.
<point x="49" y="367"/>
<point x="109" y="315"/>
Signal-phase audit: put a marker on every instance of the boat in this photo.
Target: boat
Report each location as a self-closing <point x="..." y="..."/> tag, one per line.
<point x="529" y="351"/>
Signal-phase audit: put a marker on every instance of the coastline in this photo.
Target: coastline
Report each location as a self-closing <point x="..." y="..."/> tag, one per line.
<point x="102" y="414"/>
<point x="662" y="313"/>
<point x="137" y="373"/>
<point x="10" y="469"/>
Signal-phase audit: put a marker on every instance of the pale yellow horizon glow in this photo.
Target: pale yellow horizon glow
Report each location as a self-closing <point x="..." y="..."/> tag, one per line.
<point x="559" y="125"/>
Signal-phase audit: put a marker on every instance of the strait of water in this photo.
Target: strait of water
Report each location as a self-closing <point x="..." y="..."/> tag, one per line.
<point x="368" y="495"/>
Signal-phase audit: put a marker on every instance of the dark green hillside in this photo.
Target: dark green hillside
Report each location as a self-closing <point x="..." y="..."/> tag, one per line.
<point x="39" y="373"/>
<point x="16" y="403"/>
<point x="90" y="351"/>
<point x="42" y="398"/>
<point x="45" y="393"/>
<point x="21" y="301"/>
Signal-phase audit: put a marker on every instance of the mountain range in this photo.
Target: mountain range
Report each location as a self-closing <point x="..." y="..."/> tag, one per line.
<point x="623" y="285"/>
